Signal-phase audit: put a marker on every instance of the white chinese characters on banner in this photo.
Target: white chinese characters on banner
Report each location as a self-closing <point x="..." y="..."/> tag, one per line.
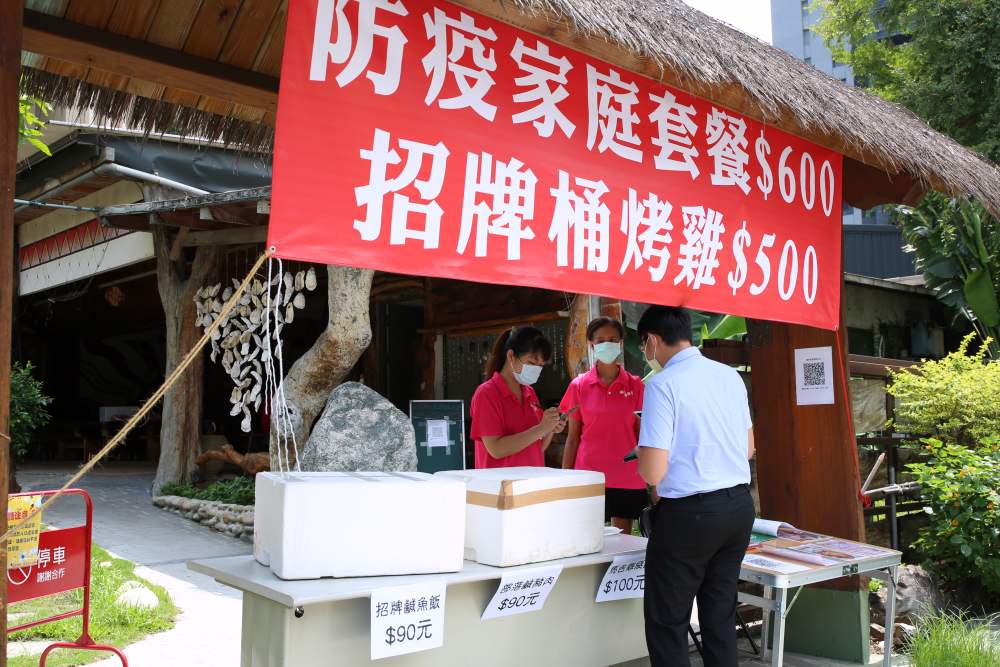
<point x="612" y="118"/>
<point x="357" y="52"/>
<point x="675" y="134"/>
<point x="727" y="144"/>
<point x="510" y="200"/>
<point x="453" y="40"/>
<point x="699" y="251"/>
<point x="544" y="77"/>
<point x="372" y="196"/>
<point x="583" y="219"/>
<point x="647" y="225"/>
<point x="492" y="132"/>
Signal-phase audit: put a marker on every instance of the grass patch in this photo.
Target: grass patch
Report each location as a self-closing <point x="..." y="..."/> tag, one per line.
<point x="954" y="640"/>
<point x="236" y="491"/>
<point x="109" y="623"/>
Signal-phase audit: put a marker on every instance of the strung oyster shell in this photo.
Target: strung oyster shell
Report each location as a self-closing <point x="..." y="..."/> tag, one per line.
<point x="311" y="279"/>
<point x="300" y="280"/>
<point x="245" y="424"/>
<point x="236" y="410"/>
<point x="227" y="293"/>
<point x="299" y="301"/>
<point x="289" y="281"/>
<point x="289" y="313"/>
<point x="236" y="396"/>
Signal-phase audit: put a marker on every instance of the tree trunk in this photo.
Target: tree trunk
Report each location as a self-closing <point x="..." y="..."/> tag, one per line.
<point x="180" y="430"/>
<point x="315" y="374"/>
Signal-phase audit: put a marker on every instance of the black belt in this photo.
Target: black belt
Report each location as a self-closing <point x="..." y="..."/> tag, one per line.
<point x="731" y="491"/>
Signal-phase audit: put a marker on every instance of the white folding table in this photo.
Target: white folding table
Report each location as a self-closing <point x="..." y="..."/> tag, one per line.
<point x="776" y="604"/>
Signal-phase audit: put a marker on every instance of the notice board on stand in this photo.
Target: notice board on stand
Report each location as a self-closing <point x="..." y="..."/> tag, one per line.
<point x="440" y="430"/>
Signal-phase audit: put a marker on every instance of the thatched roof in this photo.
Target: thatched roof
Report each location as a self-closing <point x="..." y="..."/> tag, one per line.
<point x="665" y="39"/>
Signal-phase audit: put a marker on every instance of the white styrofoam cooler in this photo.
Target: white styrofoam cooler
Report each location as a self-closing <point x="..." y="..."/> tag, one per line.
<point x="527" y="515"/>
<point x="358" y="524"/>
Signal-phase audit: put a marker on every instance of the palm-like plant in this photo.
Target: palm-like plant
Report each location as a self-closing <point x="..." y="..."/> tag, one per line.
<point x="957" y="245"/>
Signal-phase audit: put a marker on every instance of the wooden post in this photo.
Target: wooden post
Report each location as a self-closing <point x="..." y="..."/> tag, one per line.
<point x="11" y="12"/>
<point x="807" y="475"/>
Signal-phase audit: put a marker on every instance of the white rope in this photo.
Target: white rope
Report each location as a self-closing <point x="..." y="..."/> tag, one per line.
<point x="269" y="383"/>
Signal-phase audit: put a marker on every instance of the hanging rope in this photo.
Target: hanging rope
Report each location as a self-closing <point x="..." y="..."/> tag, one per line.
<point x="155" y="398"/>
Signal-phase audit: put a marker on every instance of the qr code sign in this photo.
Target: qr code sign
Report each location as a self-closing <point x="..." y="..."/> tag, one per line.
<point x="815" y="373"/>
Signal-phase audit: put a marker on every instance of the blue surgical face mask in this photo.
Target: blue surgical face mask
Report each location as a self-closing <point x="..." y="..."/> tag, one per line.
<point x="528" y="375"/>
<point x="608" y="352"/>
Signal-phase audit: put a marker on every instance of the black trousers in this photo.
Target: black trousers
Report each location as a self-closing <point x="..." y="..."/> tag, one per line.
<point x="695" y="551"/>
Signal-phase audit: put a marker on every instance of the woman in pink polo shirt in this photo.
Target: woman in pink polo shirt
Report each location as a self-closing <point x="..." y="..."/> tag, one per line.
<point x="605" y="428"/>
<point x="508" y="423"/>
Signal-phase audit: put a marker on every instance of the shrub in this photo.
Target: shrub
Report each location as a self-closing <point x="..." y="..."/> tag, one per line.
<point x="954" y="640"/>
<point x="236" y="491"/>
<point x="27" y="408"/>
<point x="961" y="488"/>
<point x="955" y="399"/>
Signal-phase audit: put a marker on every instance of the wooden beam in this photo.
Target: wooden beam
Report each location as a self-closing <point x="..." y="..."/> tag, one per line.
<point x="189" y="203"/>
<point x="10" y="71"/>
<point x="134" y="58"/>
<point x="248" y="236"/>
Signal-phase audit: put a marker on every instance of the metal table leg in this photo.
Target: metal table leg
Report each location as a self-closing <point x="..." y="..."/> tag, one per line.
<point x="765" y="632"/>
<point x="778" y="652"/>
<point x="890" y="616"/>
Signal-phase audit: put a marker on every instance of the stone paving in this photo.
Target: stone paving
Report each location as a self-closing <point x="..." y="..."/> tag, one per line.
<point x="207" y="633"/>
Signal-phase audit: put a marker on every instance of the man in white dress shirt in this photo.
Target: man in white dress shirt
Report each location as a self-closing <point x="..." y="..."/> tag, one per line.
<point x="695" y="444"/>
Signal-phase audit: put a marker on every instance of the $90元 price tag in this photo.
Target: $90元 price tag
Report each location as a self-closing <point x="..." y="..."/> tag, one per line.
<point x="626" y="578"/>
<point x="522" y="591"/>
<point x="407" y="619"/>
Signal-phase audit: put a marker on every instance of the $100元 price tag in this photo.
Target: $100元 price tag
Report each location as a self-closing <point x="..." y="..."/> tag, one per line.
<point x="626" y="578"/>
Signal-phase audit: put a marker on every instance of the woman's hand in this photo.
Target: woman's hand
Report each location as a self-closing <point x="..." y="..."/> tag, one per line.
<point x="551" y="423"/>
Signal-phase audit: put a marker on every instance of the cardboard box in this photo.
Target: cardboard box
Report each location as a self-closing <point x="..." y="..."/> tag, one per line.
<point x="528" y="515"/>
<point x="358" y="524"/>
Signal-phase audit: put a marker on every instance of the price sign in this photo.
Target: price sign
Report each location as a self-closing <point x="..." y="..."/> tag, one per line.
<point x="522" y="591"/>
<point x="407" y="619"/>
<point x="626" y="578"/>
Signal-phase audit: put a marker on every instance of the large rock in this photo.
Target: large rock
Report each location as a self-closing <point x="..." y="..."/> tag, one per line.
<point x="917" y="593"/>
<point x="134" y="594"/>
<point x="360" y="430"/>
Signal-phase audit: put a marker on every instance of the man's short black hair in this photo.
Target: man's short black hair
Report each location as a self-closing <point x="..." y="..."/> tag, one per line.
<point x="670" y="323"/>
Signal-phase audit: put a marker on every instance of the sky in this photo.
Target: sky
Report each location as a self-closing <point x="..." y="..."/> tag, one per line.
<point x="750" y="16"/>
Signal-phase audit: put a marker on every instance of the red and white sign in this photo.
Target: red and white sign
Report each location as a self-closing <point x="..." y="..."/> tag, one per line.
<point x="62" y="566"/>
<point x="417" y="137"/>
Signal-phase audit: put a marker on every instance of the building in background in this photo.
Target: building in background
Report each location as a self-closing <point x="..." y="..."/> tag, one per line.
<point x="874" y="250"/>
<point x="792" y="30"/>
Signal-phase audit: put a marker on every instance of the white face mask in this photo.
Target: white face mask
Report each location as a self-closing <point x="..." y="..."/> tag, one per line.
<point x="608" y="352"/>
<point x="653" y="364"/>
<point x="528" y="375"/>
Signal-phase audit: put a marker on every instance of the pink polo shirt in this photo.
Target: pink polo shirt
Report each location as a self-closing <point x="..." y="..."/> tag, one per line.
<point x="497" y="412"/>
<point x="608" y="431"/>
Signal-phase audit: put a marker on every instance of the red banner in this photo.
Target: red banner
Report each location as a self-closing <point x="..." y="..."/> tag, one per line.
<point x="62" y="561"/>
<point x="416" y="137"/>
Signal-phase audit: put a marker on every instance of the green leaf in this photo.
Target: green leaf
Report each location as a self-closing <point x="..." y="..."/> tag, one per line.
<point x="966" y="550"/>
<point x="39" y="145"/>
<point x="982" y="297"/>
<point x="729" y="327"/>
<point x="942" y="267"/>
